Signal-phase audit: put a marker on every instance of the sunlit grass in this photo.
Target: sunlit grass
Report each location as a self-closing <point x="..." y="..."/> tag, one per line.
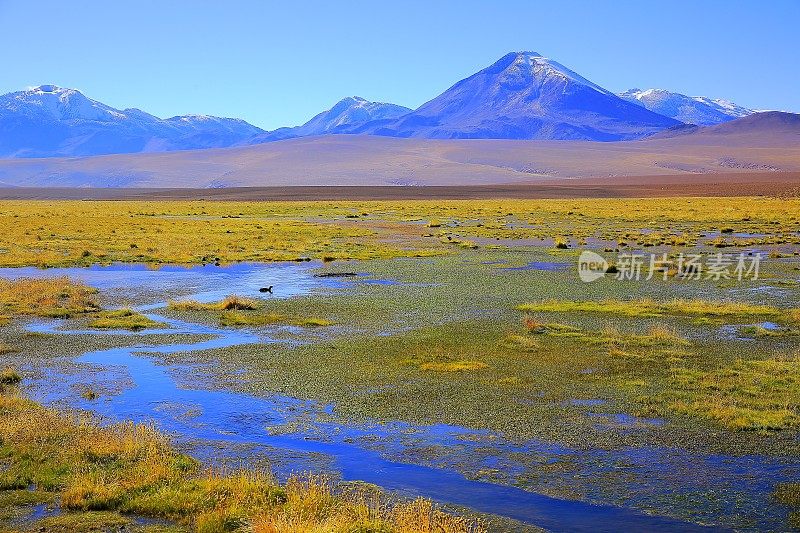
<point x="9" y="376"/>
<point x="55" y="233"/>
<point x="651" y="308"/>
<point x="230" y="303"/>
<point x="123" y="319"/>
<point x="759" y="395"/>
<point x="452" y="332"/>
<point x="63" y="233"/>
<point x="238" y="318"/>
<point x="46" y="297"/>
<point x="658" y="335"/>
<point x="454" y="366"/>
<point x="6" y="349"/>
<point x="237" y="311"/>
<point x="235" y="318"/>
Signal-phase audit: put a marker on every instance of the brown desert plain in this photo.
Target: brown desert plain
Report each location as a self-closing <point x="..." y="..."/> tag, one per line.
<point x="759" y="154"/>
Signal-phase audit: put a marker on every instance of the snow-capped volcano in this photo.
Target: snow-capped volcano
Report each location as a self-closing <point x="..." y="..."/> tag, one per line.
<point x="527" y="96"/>
<point x="698" y="110"/>
<point x="529" y="68"/>
<point x="48" y="121"/>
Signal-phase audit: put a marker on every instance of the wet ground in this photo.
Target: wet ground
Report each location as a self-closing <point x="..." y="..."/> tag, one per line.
<point x="294" y="435"/>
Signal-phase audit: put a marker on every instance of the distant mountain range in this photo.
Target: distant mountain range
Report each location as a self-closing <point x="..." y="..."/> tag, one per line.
<point x="760" y="143"/>
<point x="522" y="96"/>
<point x="688" y="109"/>
<point x="51" y="121"/>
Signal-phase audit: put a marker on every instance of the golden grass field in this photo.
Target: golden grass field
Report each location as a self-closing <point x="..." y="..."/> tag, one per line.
<point x="499" y="350"/>
<point x="61" y="233"/>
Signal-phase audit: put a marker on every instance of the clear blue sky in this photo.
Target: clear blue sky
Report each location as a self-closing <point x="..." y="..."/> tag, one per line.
<point x="279" y="63"/>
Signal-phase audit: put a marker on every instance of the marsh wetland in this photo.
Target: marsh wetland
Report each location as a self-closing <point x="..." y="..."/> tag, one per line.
<point x="418" y="366"/>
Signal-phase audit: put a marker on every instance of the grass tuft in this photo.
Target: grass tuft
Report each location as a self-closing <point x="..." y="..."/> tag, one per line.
<point x="230" y="303"/>
<point x="6" y="349"/>
<point x="237" y="303"/>
<point x="236" y="318"/>
<point x="454" y="366"/>
<point x="651" y="308"/>
<point x="235" y="311"/>
<point x="123" y="319"/>
<point x="9" y="376"/>
<point x="46" y="297"/>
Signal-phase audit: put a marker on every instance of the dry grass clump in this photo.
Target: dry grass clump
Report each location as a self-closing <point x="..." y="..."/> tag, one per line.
<point x="48" y="297"/>
<point x="187" y="305"/>
<point x="237" y="318"/>
<point x="230" y="303"/>
<point x="9" y="376"/>
<point x="6" y="349"/>
<point x="89" y="393"/>
<point x="656" y="336"/>
<point x="533" y="324"/>
<point x="123" y="319"/>
<point x="454" y="366"/>
<point x="313" y="506"/>
<point x="651" y="308"/>
<point x="524" y="343"/>
<point x="237" y="311"/>
<point x="98" y="471"/>
<point x="666" y="334"/>
<point x="237" y="303"/>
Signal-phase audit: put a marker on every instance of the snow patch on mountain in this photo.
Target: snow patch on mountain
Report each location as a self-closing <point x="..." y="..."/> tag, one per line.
<point x="699" y="110"/>
<point x="348" y="115"/>
<point x="48" y="121"/>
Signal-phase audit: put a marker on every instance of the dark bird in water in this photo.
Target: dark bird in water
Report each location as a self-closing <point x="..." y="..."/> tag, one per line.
<point x="266" y="289"/>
